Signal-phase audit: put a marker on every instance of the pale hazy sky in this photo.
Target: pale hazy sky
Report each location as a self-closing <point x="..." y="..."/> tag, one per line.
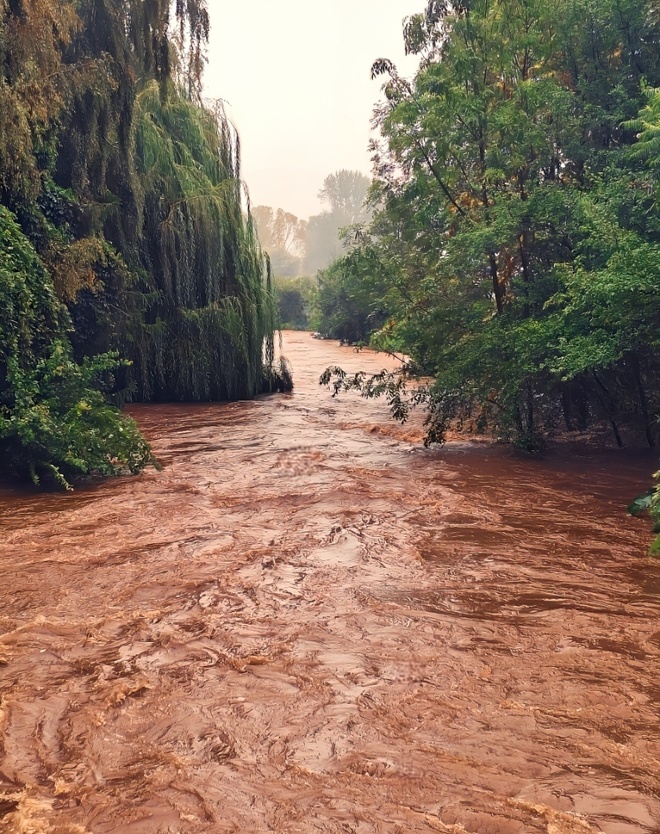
<point x="295" y="76"/>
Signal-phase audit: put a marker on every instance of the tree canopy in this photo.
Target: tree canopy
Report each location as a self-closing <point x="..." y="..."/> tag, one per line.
<point x="513" y="252"/>
<point x="124" y="190"/>
<point x="344" y="193"/>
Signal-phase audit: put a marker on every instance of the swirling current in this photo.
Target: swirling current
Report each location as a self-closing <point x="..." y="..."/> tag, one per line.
<point x="308" y="623"/>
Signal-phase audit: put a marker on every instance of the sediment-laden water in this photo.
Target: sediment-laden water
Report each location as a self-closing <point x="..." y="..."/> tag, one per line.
<point x="307" y="623"/>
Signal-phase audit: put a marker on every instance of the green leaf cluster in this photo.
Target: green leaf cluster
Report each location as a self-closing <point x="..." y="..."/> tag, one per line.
<point x="295" y="300"/>
<point x="513" y="253"/>
<point x="55" y="424"/>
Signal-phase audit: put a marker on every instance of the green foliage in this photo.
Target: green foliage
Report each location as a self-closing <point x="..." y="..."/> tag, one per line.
<point x="394" y="386"/>
<point x="654" y="510"/>
<point x="642" y="503"/>
<point x="34" y="86"/>
<point x="127" y="189"/>
<point x="139" y="213"/>
<point x="210" y="313"/>
<point x="295" y="299"/>
<point x="55" y="425"/>
<point x="649" y="502"/>
<point x="647" y="125"/>
<point x="349" y="301"/>
<point x="514" y="247"/>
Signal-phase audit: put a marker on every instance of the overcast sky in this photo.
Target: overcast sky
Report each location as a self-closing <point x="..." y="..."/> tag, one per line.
<point x="295" y="75"/>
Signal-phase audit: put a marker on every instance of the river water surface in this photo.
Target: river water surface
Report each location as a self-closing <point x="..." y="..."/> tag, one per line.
<point x="308" y="623"/>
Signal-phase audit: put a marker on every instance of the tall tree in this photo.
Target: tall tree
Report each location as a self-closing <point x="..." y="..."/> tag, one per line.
<point x="127" y="193"/>
<point x="345" y="193"/>
<point x="507" y="197"/>
<point x="283" y="236"/>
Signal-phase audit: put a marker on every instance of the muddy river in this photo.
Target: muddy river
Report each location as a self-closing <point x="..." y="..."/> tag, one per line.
<point x="308" y="623"/>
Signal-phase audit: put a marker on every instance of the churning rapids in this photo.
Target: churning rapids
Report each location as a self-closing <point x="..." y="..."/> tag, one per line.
<point x="308" y="623"/>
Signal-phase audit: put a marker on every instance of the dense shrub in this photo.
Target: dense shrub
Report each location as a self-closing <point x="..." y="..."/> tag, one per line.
<point x="55" y="424"/>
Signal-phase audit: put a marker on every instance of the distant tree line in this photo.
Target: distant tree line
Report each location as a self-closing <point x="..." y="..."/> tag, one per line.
<point x="302" y="247"/>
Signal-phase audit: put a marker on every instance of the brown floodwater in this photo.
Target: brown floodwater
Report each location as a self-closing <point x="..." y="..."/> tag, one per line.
<point x="308" y="623"/>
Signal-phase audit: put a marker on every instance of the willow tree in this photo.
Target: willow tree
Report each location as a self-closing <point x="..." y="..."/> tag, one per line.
<point x="127" y="189"/>
<point x="55" y="422"/>
<point x="33" y="90"/>
<point x="160" y="174"/>
<point x="210" y="317"/>
<point x="118" y="46"/>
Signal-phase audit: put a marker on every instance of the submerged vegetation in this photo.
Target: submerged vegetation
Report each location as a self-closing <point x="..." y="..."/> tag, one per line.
<point x="130" y="267"/>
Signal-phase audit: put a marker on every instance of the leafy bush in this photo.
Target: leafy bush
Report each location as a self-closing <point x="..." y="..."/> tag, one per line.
<point x="55" y="424"/>
<point x="655" y="515"/>
<point x="649" y="502"/>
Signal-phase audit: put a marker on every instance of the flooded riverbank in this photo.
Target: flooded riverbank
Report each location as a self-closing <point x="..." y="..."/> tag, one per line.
<point x="306" y="623"/>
